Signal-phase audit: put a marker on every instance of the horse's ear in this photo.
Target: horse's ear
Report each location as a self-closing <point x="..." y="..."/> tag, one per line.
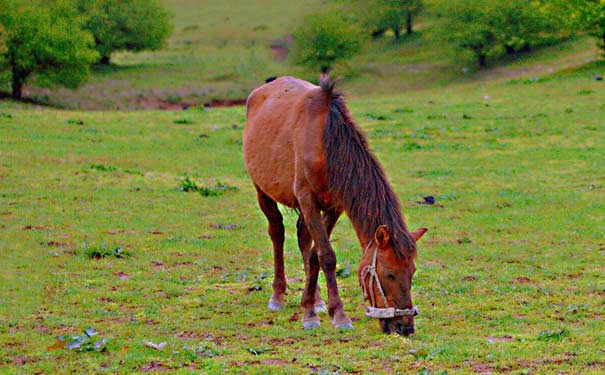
<point x="382" y="236"/>
<point x="418" y="233"/>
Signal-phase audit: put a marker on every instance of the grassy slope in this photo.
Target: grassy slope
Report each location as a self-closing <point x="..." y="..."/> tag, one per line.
<point x="221" y="50"/>
<point x="510" y="277"/>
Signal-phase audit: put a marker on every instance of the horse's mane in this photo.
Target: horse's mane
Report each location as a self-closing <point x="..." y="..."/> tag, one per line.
<point x="356" y="177"/>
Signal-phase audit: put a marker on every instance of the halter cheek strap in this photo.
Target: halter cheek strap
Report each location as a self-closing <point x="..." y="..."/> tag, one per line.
<point x="377" y="312"/>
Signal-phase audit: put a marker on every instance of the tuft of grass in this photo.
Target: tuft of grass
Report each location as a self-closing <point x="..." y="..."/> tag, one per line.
<point x="183" y="121"/>
<point x="103" y="251"/>
<point x="102" y="168"/>
<point x="219" y="188"/>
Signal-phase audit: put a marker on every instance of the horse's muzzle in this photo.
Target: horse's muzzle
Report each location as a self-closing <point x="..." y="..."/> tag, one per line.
<point x="400" y="326"/>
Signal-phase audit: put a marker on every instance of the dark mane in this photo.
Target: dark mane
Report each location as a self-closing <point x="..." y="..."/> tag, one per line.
<point x="357" y="179"/>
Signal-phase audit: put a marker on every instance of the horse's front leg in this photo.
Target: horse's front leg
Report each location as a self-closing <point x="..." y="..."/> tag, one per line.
<point x="326" y="259"/>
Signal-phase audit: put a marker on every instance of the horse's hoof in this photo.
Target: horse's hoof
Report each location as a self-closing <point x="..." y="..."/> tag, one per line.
<point x="311" y="324"/>
<point x="343" y="325"/>
<point x="275" y="306"/>
<point x="320" y="308"/>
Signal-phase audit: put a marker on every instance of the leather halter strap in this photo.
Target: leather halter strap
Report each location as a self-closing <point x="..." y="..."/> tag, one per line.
<point x="378" y="312"/>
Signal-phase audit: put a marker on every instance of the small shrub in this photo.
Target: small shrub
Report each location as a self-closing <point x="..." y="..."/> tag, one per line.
<point x="324" y="39"/>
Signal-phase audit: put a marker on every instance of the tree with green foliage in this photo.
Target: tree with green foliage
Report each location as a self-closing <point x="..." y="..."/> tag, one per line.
<point x="489" y="28"/>
<point x="126" y="25"/>
<point x="589" y="16"/>
<point x="44" y="42"/>
<point x="324" y="39"/>
<point x="382" y="15"/>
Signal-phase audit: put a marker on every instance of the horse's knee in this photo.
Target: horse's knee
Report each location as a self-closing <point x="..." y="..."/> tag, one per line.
<point x="328" y="261"/>
<point x="277" y="230"/>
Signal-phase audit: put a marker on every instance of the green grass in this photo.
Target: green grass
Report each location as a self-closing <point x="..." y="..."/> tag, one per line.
<point x="510" y="275"/>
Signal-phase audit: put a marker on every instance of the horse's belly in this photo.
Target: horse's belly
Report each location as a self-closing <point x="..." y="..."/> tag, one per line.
<point x="269" y="158"/>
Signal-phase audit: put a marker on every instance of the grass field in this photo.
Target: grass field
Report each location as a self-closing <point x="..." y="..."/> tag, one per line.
<point x="510" y="277"/>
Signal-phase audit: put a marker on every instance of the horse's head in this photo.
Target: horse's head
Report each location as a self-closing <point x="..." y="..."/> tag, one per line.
<point x="386" y="279"/>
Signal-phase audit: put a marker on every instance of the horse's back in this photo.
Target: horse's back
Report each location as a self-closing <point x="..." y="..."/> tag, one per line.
<point x="274" y="111"/>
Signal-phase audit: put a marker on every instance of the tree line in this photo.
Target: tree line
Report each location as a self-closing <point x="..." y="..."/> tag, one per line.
<point x="488" y="29"/>
<point x="55" y="42"/>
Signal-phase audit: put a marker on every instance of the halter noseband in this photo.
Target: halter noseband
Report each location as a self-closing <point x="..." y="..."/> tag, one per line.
<point x="377" y="312"/>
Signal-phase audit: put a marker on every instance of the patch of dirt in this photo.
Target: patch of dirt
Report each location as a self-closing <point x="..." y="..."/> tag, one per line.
<point x="32" y="227"/>
<point x="160" y="103"/>
<point x="155" y="366"/>
<point x="187" y="335"/>
<point x="482" y="368"/>
<point x="275" y="362"/>
<point x="281" y="47"/>
<point x="575" y="276"/>
<point x="521" y="280"/>
<point x="505" y="338"/>
<point x="54" y="244"/>
<point x="225" y="103"/>
<point x="280" y="53"/>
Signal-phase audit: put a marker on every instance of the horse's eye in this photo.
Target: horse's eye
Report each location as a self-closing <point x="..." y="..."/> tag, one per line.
<point x="391" y="276"/>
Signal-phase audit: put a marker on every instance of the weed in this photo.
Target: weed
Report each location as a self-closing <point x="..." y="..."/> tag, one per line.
<point x="183" y="121"/>
<point x="188" y="185"/>
<point x="102" y="251"/>
<point x="102" y="168"/>
<point x="87" y="342"/>
<point x="556" y="335"/>
<point x="377" y="116"/>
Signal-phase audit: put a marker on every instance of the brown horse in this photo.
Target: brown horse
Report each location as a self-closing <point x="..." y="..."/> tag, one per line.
<point x="303" y="150"/>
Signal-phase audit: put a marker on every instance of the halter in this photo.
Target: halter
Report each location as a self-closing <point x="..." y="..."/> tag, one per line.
<point x="376" y="312"/>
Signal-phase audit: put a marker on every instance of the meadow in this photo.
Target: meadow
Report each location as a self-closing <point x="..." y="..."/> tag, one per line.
<point x="97" y="232"/>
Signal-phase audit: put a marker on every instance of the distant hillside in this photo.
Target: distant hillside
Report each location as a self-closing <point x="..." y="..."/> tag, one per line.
<point x="220" y="50"/>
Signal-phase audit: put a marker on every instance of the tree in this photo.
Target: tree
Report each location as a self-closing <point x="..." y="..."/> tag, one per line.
<point x="133" y="25"/>
<point x="325" y="38"/>
<point x="589" y="16"/>
<point x="44" y="41"/>
<point x="391" y="14"/>
<point x="489" y="28"/>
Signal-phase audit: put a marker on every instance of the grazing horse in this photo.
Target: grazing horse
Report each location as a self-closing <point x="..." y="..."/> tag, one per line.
<point x="302" y="149"/>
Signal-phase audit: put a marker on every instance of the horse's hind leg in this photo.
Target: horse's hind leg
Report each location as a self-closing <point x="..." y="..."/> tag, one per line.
<point x="277" y="233"/>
